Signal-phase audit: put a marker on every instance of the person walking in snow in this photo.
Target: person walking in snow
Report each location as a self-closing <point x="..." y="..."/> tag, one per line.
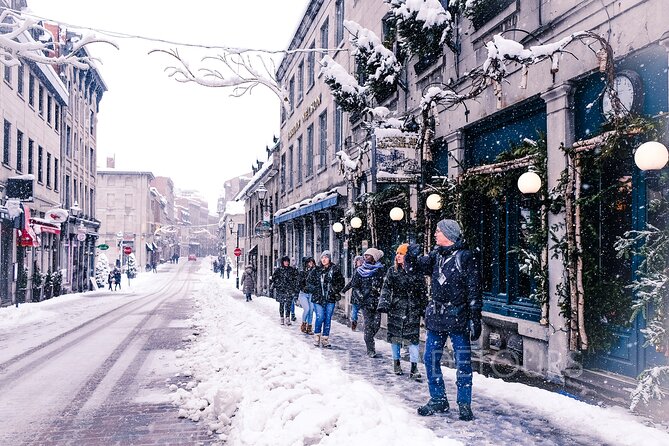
<point x="228" y="269"/>
<point x="403" y="298"/>
<point x="110" y="279"/>
<point x="285" y="283"/>
<point x="325" y="283"/>
<point x="355" y="295"/>
<point x="454" y="311"/>
<point x="248" y="282"/>
<point x="304" y="296"/>
<point x="367" y="280"/>
<point x="117" y="278"/>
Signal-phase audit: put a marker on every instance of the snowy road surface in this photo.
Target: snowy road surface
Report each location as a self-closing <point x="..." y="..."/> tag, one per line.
<point x="105" y="368"/>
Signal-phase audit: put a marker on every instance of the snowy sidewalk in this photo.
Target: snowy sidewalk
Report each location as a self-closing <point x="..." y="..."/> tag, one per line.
<point x="257" y="382"/>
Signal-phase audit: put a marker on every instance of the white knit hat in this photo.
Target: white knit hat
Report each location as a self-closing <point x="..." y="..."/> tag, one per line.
<point x="376" y="253"/>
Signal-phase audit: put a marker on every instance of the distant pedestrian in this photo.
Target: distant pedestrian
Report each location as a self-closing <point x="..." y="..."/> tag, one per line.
<point x="228" y="269"/>
<point x="117" y="279"/>
<point x="367" y="279"/>
<point x="304" y="296"/>
<point x="285" y="283"/>
<point x="454" y="311"/>
<point x="154" y="266"/>
<point x="404" y="298"/>
<point x="355" y="296"/>
<point x="110" y="279"/>
<point x="325" y="283"/>
<point x="248" y="282"/>
<point x="215" y="266"/>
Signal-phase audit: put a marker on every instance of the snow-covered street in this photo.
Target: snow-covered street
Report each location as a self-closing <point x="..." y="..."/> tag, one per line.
<point x="209" y="368"/>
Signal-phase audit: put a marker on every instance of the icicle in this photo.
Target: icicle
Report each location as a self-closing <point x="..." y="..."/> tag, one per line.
<point x="523" y="77"/>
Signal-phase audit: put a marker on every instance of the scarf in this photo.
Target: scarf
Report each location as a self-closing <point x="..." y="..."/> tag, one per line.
<point x="368" y="269"/>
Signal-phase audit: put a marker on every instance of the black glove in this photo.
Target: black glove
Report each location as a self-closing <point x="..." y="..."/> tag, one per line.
<point x="382" y="308"/>
<point x="412" y="254"/>
<point x="475" y="328"/>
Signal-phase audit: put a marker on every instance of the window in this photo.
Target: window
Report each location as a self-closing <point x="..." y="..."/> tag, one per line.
<point x="56" y="115"/>
<point x="68" y="140"/>
<point x="48" y="170"/>
<point x="7" y="141"/>
<point x="128" y="200"/>
<point x="55" y="173"/>
<point x="291" y="93"/>
<point x="283" y="173"/>
<point x="19" y="80"/>
<point x="300" y="82"/>
<point x="290" y="167"/>
<point x="31" y="156"/>
<point x="338" y="129"/>
<point x="486" y="11"/>
<point x="49" y="103"/>
<point x="299" y="160"/>
<point x="40" y="99"/>
<point x="310" y="150"/>
<point x="8" y="74"/>
<point x="339" y="21"/>
<point x="75" y="191"/>
<point x="40" y="161"/>
<point x="311" y="65"/>
<point x="31" y="90"/>
<point x="322" y="139"/>
<point x="19" y="150"/>
<point x="67" y="192"/>
<point x="324" y="37"/>
<point x="92" y="160"/>
<point x="91" y="122"/>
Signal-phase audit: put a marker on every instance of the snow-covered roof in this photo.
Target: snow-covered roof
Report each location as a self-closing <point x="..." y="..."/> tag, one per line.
<point x="235" y="208"/>
<point x="266" y="172"/>
<point x="341" y="190"/>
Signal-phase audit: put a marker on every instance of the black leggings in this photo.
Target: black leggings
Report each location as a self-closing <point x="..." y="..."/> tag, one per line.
<point x="284" y="308"/>
<point x="372" y="325"/>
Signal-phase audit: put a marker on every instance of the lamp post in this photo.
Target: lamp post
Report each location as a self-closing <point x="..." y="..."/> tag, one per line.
<point x="74" y="212"/>
<point x="396" y="214"/>
<point x="261" y="193"/>
<point x="231" y="224"/>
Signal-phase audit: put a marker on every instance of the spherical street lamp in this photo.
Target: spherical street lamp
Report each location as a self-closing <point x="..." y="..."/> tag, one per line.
<point x="337" y="227"/>
<point x="356" y="222"/>
<point x="529" y="182"/>
<point x="651" y="155"/>
<point x="434" y="202"/>
<point x="396" y="214"/>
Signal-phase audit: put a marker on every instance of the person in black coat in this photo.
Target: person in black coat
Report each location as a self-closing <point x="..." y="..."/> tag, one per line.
<point x="404" y="298"/>
<point x="367" y="281"/>
<point x="285" y="283"/>
<point x="324" y="283"/>
<point x="454" y="311"/>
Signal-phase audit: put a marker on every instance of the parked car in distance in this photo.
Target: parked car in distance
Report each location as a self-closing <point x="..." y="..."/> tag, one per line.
<point x="192" y="257"/>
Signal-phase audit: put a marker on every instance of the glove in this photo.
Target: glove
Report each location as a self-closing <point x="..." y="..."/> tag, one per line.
<point x="382" y="309"/>
<point x="475" y="328"/>
<point x="412" y="254"/>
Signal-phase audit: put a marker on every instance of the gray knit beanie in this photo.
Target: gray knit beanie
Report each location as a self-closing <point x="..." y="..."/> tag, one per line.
<point x="327" y="254"/>
<point x="450" y="229"/>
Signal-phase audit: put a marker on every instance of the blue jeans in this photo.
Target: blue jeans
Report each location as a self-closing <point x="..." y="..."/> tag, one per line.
<point x="307" y="307"/>
<point x="354" y="312"/>
<point x="462" y="352"/>
<point x="413" y="352"/>
<point x="323" y="318"/>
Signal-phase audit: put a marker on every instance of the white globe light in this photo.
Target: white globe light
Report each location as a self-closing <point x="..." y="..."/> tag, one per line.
<point x="396" y="214"/>
<point x="529" y="183"/>
<point x="651" y="155"/>
<point x="337" y="227"/>
<point x="434" y="202"/>
<point x="356" y="222"/>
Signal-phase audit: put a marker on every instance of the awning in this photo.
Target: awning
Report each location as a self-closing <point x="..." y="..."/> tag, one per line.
<point x="41" y="225"/>
<point x="149" y="247"/>
<point x="27" y="237"/>
<point x="327" y="202"/>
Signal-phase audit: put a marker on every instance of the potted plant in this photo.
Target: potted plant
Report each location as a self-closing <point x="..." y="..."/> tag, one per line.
<point x="37" y="284"/>
<point x="48" y="285"/>
<point x="57" y="283"/>
<point x="22" y="284"/>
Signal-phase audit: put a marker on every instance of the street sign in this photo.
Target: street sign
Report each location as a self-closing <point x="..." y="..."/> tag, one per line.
<point x="238" y="252"/>
<point x="103" y="247"/>
<point x="127" y="250"/>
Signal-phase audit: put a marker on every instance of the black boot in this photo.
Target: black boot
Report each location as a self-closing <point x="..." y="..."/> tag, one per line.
<point x="433" y="406"/>
<point x="465" y="412"/>
<point x="397" y="368"/>
<point x="415" y="374"/>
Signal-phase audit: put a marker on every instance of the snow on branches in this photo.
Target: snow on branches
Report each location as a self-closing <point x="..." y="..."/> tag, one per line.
<point x="17" y="43"/>
<point x="649" y="386"/>
<point x="239" y="73"/>
<point x="348" y="94"/>
<point x="423" y="26"/>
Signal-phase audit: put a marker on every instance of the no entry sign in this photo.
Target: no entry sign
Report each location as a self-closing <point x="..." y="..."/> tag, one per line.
<point x="238" y="252"/>
<point x="127" y="250"/>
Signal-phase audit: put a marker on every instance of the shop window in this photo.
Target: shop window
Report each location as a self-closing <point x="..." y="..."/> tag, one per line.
<point x="486" y="10"/>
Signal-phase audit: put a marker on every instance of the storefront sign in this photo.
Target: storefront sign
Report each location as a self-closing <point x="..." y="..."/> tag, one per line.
<point x="395" y="156"/>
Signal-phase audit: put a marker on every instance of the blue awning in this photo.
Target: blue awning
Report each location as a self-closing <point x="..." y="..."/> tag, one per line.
<point x="308" y="209"/>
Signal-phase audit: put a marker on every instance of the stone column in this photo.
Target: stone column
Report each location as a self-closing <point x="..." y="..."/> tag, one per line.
<point x="560" y="131"/>
<point x="456" y="151"/>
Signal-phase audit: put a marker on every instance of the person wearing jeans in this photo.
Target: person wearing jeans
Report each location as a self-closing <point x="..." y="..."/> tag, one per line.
<point x="325" y="283"/>
<point x="304" y="297"/>
<point x="355" y="295"/>
<point x="454" y="311"/>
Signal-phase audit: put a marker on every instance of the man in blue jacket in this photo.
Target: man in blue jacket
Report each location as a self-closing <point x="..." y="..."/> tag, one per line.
<point x="454" y="311"/>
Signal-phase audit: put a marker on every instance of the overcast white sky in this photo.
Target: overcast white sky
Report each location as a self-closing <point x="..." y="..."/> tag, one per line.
<point x="198" y="136"/>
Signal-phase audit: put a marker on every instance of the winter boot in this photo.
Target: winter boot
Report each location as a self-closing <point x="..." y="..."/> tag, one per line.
<point x="283" y="321"/>
<point x="372" y="354"/>
<point x="397" y="368"/>
<point x="324" y="342"/>
<point x="288" y="321"/>
<point x="415" y="374"/>
<point x="465" y="412"/>
<point x="310" y="329"/>
<point x="303" y="327"/>
<point x="317" y="340"/>
<point x="354" y="325"/>
<point x="433" y="406"/>
<point x="293" y="318"/>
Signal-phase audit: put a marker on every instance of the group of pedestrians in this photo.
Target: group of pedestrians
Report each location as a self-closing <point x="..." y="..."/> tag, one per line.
<point x="451" y="308"/>
<point x="114" y="278"/>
